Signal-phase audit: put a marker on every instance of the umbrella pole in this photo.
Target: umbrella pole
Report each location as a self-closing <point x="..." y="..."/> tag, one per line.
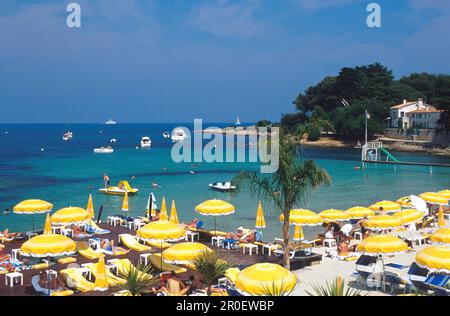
<point x="33" y="222"/>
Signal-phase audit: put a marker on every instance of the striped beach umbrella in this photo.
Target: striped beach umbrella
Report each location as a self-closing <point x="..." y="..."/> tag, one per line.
<point x="405" y="201"/>
<point x="260" y="221"/>
<point x="32" y="207"/>
<point x="382" y="245"/>
<point x="90" y="207"/>
<point x="441" y="236"/>
<point x="163" y="215"/>
<point x="261" y="278"/>
<point x="333" y="215"/>
<point x="184" y="253"/>
<point x="302" y="217"/>
<point x="435" y="258"/>
<point x="162" y="231"/>
<point x="70" y="216"/>
<point x="101" y="282"/>
<point x="441" y="218"/>
<point x="125" y="204"/>
<point x="445" y="193"/>
<point x="298" y="233"/>
<point x="359" y="212"/>
<point x="215" y="208"/>
<point x="383" y="222"/>
<point x="434" y="198"/>
<point x="173" y="214"/>
<point x="387" y="206"/>
<point x="409" y="216"/>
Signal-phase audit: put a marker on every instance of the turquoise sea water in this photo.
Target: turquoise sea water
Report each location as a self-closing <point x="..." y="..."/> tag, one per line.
<point x="63" y="172"/>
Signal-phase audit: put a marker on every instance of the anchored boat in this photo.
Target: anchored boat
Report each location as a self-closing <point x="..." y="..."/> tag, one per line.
<point x="120" y="189"/>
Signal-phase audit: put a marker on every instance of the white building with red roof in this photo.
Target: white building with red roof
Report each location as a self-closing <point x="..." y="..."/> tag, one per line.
<point x="414" y="114"/>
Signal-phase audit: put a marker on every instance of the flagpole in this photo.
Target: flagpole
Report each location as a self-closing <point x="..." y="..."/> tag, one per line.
<point x="366" y="125"/>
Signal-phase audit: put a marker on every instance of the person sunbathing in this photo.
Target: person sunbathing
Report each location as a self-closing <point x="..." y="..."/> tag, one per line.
<point x="237" y="236"/>
<point x="108" y="245"/>
<point x="6" y="234"/>
<point x="194" y="224"/>
<point x="173" y="286"/>
<point x="249" y="238"/>
<point x="344" y="247"/>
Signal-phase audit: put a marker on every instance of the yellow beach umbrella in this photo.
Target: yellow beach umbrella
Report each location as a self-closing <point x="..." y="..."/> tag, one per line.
<point x="264" y="278"/>
<point x="301" y="217"/>
<point x="405" y="201"/>
<point x="441" y="236"/>
<point x="215" y="208"/>
<point x="162" y="231"/>
<point x="359" y="212"/>
<point x="173" y="214"/>
<point x="382" y="244"/>
<point x="163" y="215"/>
<point x="409" y="216"/>
<point x="32" y="207"/>
<point x="125" y="205"/>
<point x="184" y="253"/>
<point x="434" y="198"/>
<point x="48" y="244"/>
<point x="333" y="215"/>
<point x="90" y="207"/>
<point x="441" y="218"/>
<point x="101" y="283"/>
<point x="388" y="206"/>
<point x="298" y="233"/>
<point x="435" y="258"/>
<point x="70" y="215"/>
<point x="383" y="222"/>
<point x="260" y="221"/>
<point x="445" y="193"/>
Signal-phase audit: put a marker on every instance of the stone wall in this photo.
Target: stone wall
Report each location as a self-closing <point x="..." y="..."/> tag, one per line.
<point x="428" y="135"/>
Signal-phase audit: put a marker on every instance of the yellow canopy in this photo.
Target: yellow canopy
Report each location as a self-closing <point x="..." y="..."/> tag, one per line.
<point x="162" y="231"/>
<point x="405" y="201"/>
<point x="333" y="215"/>
<point x="441" y="236"/>
<point x="101" y="282"/>
<point x="441" y="217"/>
<point x="303" y="218"/>
<point x="173" y="214"/>
<point x="260" y="221"/>
<point x="48" y="244"/>
<point x="383" y="222"/>
<point x="409" y="216"/>
<point x="90" y="207"/>
<point x="382" y="244"/>
<point x="434" y="198"/>
<point x="445" y="193"/>
<point x="387" y="206"/>
<point x="125" y="205"/>
<point x="359" y="212"/>
<point x="184" y="253"/>
<point x="298" y="233"/>
<point x="70" y="215"/>
<point x="435" y="258"/>
<point x="33" y="207"/>
<point x="163" y="215"/>
<point x="264" y="279"/>
<point x="215" y="208"/>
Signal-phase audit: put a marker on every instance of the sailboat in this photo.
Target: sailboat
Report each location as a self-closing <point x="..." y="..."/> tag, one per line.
<point x="238" y="122"/>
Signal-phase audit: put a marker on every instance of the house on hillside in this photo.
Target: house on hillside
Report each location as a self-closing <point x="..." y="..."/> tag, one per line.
<point x="414" y="114"/>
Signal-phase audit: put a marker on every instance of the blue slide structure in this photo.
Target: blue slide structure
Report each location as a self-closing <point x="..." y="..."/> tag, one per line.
<point x="392" y="158"/>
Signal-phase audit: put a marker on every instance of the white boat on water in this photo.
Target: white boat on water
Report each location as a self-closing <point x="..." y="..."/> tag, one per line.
<point x="110" y="122"/>
<point x="222" y="186"/>
<point x="146" y="142"/>
<point x="178" y="135"/>
<point x="67" y="136"/>
<point x="104" y="150"/>
<point x="166" y="135"/>
<point x="238" y="122"/>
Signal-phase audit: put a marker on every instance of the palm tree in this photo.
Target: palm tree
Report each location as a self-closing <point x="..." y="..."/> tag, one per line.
<point x="335" y="288"/>
<point x="211" y="266"/>
<point x="138" y="280"/>
<point x="289" y="185"/>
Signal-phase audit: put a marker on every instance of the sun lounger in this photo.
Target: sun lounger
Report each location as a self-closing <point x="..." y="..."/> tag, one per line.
<point x="132" y="243"/>
<point x="67" y="260"/>
<point x="437" y="280"/>
<point x="231" y="274"/>
<point x="75" y="279"/>
<point x="155" y="259"/>
<point x="86" y="251"/>
<point x="112" y="279"/>
<point x="62" y="293"/>
<point x="37" y="287"/>
<point x="93" y="228"/>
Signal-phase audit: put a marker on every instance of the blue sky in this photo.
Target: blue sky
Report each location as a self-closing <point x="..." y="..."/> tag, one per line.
<point x="175" y="60"/>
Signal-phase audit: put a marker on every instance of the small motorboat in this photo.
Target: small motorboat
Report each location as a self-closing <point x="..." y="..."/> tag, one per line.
<point x="67" y="136"/>
<point x="222" y="186"/>
<point x="146" y="142"/>
<point x="166" y="135"/>
<point x="120" y="189"/>
<point x="178" y="135"/>
<point x="110" y="122"/>
<point x="104" y="150"/>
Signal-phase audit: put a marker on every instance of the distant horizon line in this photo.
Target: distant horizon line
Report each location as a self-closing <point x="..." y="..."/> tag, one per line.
<point x="121" y="123"/>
